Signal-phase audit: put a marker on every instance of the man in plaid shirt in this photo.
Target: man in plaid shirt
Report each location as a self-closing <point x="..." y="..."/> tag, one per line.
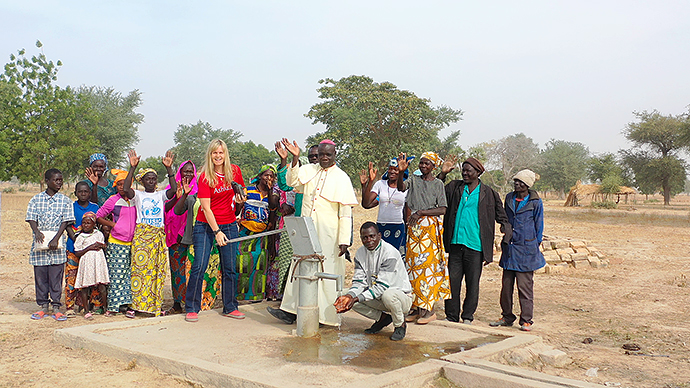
<point x="49" y="211"/>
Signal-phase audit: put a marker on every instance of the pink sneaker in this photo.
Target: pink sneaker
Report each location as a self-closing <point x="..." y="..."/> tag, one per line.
<point x="191" y="317"/>
<point x="235" y="314"/>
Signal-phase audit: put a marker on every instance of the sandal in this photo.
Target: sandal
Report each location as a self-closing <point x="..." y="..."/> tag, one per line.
<point x="38" y="315"/>
<point x="109" y="314"/>
<point x="88" y="316"/>
<point x="130" y="314"/>
<point x="70" y="313"/>
<point x="60" y="317"/>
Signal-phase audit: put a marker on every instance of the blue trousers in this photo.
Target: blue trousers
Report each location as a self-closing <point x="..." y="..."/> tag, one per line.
<point x="203" y="242"/>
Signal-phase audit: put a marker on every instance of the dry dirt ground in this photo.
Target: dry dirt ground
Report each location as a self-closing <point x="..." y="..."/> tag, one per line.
<point x="642" y="298"/>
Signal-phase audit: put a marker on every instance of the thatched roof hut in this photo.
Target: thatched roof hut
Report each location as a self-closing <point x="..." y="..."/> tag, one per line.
<point x="580" y="191"/>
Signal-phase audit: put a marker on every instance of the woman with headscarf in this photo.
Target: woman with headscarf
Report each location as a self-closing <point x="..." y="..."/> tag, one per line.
<point x="149" y="256"/>
<point x="101" y="187"/>
<point x="521" y="256"/>
<point x="257" y="215"/>
<point x="468" y="236"/>
<point x="117" y="254"/>
<point x="384" y="193"/>
<point x="177" y="227"/>
<point x="424" y="256"/>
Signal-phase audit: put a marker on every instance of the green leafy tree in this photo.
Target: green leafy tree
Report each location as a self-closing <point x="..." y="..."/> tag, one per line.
<point x="563" y="164"/>
<point x="191" y="141"/>
<point x="116" y="122"/>
<point x="657" y="141"/>
<point x="45" y="124"/>
<point x="250" y="157"/>
<point x="9" y="94"/>
<point x="510" y="155"/>
<point x="650" y="171"/>
<point x="371" y="121"/>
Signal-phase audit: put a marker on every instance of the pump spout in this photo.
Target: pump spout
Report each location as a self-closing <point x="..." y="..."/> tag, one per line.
<point x="338" y="279"/>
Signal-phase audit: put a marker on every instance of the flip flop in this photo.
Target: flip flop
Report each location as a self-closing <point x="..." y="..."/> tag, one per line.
<point x="59" y="317"/>
<point x="109" y="314"/>
<point x="38" y="315"/>
<point x="88" y="316"/>
<point x="130" y="314"/>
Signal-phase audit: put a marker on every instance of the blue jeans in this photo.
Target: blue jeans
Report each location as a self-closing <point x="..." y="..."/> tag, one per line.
<point x="203" y="242"/>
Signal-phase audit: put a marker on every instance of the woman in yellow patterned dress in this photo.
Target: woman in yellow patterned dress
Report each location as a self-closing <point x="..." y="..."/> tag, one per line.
<point x="424" y="258"/>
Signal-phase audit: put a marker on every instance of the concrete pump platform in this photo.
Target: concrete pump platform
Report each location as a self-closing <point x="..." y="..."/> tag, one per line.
<point x="260" y="351"/>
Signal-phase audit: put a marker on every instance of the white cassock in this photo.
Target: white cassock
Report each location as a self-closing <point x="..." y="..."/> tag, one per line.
<point x="328" y="200"/>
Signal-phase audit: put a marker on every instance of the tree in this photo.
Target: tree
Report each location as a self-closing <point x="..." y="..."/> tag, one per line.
<point x="657" y="140"/>
<point x="191" y="141"/>
<point x="45" y="124"/>
<point x="250" y="157"/>
<point x="372" y="121"/>
<point x="563" y="164"/>
<point x="650" y="172"/>
<point x="116" y="124"/>
<point x="510" y="155"/>
<point x="9" y="94"/>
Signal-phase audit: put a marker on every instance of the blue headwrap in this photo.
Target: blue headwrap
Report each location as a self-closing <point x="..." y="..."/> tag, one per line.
<point x="96" y="157"/>
<point x="394" y="163"/>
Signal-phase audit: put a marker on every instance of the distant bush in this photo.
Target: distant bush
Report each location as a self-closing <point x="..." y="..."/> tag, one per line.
<point x="653" y="200"/>
<point x="605" y="205"/>
<point x="9" y="190"/>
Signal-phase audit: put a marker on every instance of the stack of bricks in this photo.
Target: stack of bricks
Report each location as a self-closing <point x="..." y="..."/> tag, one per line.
<point x="561" y="253"/>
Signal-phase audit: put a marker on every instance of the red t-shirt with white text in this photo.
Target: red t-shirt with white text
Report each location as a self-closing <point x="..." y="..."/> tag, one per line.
<point x="222" y="197"/>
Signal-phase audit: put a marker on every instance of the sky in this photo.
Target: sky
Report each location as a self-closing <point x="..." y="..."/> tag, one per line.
<point x="571" y="71"/>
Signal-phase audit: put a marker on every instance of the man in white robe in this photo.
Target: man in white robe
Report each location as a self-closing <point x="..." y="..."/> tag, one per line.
<point x="328" y="200"/>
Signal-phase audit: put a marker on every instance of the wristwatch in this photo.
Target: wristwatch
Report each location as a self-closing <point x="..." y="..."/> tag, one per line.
<point x="215" y="232"/>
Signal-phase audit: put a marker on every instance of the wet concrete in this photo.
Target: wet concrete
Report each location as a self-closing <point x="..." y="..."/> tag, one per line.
<point x="370" y="353"/>
<point x="260" y="351"/>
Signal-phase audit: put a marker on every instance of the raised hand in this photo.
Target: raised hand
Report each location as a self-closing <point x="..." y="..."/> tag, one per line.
<point x="402" y="162"/>
<point x="292" y="148"/>
<point x="450" y="164"/>
<point x="133" y="158"/>
<point x="363" y="177"/>
<point x="186" y="185"/>
<point x="180" y="190"/>
<point x="281" y="151"/>
<point x="168" y="158"/>
<point x="91" y="175"/>
<point x="372" y="172"/>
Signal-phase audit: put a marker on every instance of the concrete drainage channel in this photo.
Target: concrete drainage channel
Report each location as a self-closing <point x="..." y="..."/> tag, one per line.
<point x="261" y="352"/>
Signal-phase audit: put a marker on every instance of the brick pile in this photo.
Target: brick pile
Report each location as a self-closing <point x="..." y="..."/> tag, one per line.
<point x="564" y="252"/>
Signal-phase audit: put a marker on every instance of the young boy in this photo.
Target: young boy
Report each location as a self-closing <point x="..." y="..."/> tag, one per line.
<point x="81" y="206"/>
<point x="48" y="214"/>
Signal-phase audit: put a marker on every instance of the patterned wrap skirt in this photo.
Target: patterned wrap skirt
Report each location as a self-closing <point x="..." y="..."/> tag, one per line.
<point x="149" y="260"/>
<point x="210" y="289"/>
<point x="252" y="261"/>
<point x="178" y="273"/>
<point x="72" y="297"/>
<point x="395" y="235"/>
<point x="120" y="273"/>
<point x="426" y="262"/>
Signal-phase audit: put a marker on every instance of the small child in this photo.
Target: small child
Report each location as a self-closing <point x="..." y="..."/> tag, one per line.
<point x="49" y="213"/>
<point x="93" y="269"/>
<point x="81" y="206"/>
<point x="149" y="253"/>
<point x="117" y="255"/>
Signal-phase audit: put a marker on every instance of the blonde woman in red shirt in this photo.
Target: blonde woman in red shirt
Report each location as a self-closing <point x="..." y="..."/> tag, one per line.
<point x="221" y="194"/>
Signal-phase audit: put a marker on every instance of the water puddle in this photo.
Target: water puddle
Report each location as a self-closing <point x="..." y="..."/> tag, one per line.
<point x="370" y="353"/>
